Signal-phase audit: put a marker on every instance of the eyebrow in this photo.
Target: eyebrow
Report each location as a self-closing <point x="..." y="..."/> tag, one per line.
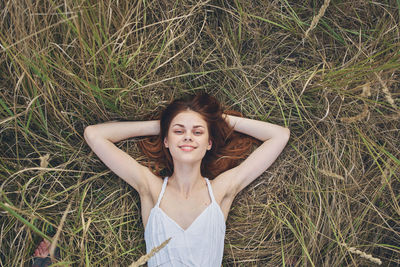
<point x="181" y="125"/>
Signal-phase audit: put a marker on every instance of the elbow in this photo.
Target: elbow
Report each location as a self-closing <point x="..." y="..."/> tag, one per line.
<point x="286" y="134"/>
<point x="89" y="133"/>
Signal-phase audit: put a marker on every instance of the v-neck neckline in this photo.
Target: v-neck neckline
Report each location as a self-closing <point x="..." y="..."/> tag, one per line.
<point x="194" y="221"/>
<point x="198" y="216"/>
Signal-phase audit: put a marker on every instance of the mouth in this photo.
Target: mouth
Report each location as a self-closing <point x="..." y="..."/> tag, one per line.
<point x="187" y="148"/>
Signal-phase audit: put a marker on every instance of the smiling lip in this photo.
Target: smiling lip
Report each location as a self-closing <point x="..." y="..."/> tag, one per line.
<point x="187" y="148"/>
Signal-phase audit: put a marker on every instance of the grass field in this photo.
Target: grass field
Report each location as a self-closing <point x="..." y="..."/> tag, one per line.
<point x="328" y="70"/>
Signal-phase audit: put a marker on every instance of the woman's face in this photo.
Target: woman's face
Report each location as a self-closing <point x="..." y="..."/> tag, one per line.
<point x="188" y="138"/>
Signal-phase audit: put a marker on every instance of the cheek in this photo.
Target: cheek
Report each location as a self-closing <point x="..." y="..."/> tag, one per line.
<point x="206" y="142"/>
<point x="171" y="141"/>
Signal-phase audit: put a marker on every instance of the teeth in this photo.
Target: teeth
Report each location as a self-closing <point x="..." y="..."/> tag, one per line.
<point x="187" y="147"/>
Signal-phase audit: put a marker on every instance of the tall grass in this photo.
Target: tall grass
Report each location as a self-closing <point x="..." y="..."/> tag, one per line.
<point x="332" y="77"/>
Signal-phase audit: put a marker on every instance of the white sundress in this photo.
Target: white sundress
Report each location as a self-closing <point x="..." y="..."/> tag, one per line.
<point x="202" y="244"/>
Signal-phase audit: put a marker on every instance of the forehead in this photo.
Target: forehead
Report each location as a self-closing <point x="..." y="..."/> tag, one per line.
<point x="189" y="118"/>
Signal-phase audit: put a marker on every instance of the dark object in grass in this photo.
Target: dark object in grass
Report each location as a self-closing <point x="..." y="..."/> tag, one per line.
<point x="43" y="261"/>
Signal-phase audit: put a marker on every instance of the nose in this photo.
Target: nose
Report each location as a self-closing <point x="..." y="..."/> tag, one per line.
<point x="187" y="137"/>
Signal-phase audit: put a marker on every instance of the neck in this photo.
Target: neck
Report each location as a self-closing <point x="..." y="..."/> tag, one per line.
<point x="186" y="178"/>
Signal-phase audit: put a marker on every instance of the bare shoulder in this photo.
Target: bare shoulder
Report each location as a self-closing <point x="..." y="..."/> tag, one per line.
<point x="223" y="184"/>
<point x="224" y="190"/>
<point x="149" y="194"/>
<point x="151" y="189"/>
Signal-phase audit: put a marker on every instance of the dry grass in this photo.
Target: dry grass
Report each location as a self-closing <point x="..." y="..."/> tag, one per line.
<point x="67" y="64"/>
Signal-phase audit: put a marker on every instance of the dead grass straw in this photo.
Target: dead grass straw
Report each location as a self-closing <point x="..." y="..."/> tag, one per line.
<point x="142" y="260"/>
<point x="316" y="18"/>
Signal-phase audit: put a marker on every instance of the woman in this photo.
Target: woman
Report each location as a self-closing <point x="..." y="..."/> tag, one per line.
<point x="186" y="206"/>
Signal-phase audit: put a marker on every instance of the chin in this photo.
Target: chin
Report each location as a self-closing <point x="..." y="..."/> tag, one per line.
<point x="188" y="158"/>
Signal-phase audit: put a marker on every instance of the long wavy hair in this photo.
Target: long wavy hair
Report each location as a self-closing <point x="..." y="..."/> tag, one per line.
<point x="228" y="147"/>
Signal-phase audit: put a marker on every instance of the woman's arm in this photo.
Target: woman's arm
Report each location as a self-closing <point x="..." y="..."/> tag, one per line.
<point x="274" y="139"/>
<point x="101" y="139"/>
<point x="260" y="130"/>
<point x="115" y="131"/>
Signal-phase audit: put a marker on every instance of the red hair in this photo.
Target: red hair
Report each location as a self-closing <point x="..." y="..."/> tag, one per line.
<point x="228" y="147"/>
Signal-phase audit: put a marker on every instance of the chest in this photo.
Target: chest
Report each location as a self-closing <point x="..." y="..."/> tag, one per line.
<point x="184" y="211"/>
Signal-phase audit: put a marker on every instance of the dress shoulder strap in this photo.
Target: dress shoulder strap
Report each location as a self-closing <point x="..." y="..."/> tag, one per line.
<point x="210" y="190"/>
<point x="162" y="191"/>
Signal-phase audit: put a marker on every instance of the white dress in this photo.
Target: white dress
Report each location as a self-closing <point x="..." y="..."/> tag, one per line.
<point x="202" y="244"/>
